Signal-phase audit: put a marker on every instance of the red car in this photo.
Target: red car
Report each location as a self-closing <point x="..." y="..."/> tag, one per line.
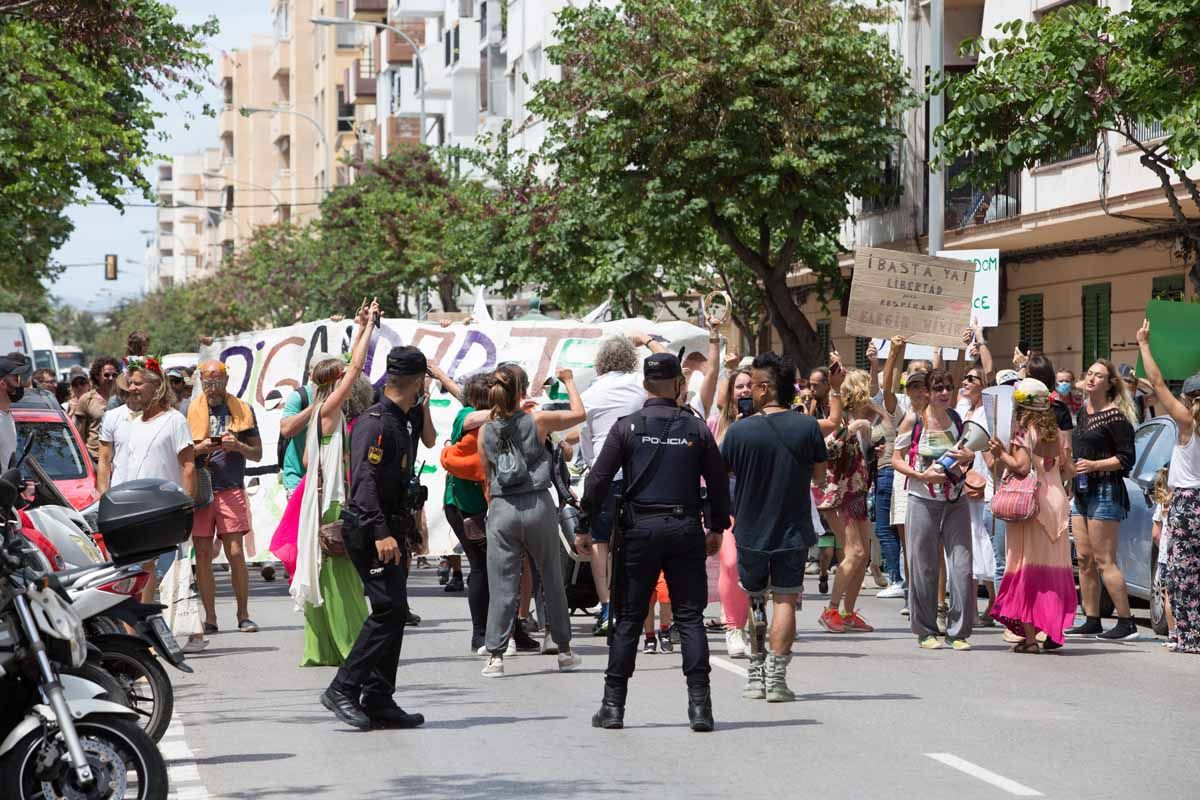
<point x="57" y="446"/>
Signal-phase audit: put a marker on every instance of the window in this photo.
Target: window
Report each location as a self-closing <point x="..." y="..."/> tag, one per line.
<point x="1032" y="323"/>
<point x="483" y="79"/>
<point x="861" y="343"/>
<point x="889" y="187"/>
<point x="227" y="90"/>
<point x="345" y="112"/>
<point x="283" y="22"/>
<point x="824" y="337"/>
<point x="1097" y="332"/>
<point x="1168" y="287"/>
<point x="54" y="448"/>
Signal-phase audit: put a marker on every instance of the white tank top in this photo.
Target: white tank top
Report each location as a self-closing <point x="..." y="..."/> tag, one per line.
<point x="1185" y="464"/>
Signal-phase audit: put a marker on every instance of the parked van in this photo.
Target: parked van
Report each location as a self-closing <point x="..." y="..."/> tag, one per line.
<point x="42" y="345"/>
<point x="13" y="335"/>
<point x="68" y="356"/>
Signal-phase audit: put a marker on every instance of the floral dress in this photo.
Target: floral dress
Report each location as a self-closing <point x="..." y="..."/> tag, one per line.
<point x="1181" y="578"/>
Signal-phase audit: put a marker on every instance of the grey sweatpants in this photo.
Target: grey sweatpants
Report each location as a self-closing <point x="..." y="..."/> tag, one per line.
<point x="934" y="526"/>
<point x="519" y="524"/>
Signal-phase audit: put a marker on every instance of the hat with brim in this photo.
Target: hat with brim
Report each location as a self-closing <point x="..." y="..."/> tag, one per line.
<point x="181" y="374"/>
<point x="1032" y="394"/>
<point x="14" y="364"/>
<point x="78" y="374"/>
<point x="1191" y="386"/>
<point x="1007" y="376"/>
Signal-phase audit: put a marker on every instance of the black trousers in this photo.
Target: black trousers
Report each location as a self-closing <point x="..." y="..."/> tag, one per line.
<point x="676" y="548"/>
<point x="477" y="581"/>
<point x="369" y="671"/>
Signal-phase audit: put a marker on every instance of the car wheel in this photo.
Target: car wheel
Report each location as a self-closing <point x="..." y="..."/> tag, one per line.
<point x="1158" y="606"/>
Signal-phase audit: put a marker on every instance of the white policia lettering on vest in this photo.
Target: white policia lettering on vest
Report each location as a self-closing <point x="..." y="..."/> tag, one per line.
<point x="670" y="440"/>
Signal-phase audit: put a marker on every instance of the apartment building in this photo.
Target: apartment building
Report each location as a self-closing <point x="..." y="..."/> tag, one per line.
<point x="249" y="160"/>
<point x="1074" y="280"/>
<point x="186" y="242"/>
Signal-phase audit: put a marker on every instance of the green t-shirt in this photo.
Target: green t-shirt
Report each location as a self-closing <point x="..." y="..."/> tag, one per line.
<point x="293" y="456"/>
<point x="466" y="496"/>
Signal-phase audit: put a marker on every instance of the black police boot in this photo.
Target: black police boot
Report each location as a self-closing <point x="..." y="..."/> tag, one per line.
<point x="390" y="715"/>
<point x="611" y="715"/>
<point x="700" y="713"/>
<point x="346" y="709"/>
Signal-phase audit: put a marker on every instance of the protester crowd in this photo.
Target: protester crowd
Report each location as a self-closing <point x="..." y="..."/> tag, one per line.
<point x="895" y="474"/>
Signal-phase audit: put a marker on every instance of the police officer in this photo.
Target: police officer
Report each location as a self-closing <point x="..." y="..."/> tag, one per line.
<point x="379" y="526"/>
<point x="664" y="450"/>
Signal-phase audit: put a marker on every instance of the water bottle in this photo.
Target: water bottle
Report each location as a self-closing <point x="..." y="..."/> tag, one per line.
<point x="1081" y="483"/>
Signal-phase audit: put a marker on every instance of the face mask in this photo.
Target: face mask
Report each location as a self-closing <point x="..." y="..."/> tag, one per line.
<point x="1064" y="388"/>
<point x="745" y="406"/>
<point x="15" y="393"/>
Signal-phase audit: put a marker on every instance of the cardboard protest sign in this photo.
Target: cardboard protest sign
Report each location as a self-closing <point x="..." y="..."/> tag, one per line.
<point x="985" y="300"/>
<point x="923" y="298"/>
<point x="266" y="366"/>
<point x="915" y="351"/>
<point x="1173" y="328"/>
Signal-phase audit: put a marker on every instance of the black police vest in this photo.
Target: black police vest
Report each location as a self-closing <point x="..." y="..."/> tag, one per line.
<point x="669" y="479"/>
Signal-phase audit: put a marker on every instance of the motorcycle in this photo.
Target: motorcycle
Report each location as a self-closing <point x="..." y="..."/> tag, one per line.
<point x="59" y="739"/>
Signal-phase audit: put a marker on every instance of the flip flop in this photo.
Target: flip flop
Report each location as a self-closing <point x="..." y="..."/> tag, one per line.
<point x="1028" y="647"/>
<point x="210" y="628"/>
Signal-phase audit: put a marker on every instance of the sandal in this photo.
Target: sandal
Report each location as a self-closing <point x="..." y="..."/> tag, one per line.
<point x="210" y="628"/>
<point x="1027" y="646"/>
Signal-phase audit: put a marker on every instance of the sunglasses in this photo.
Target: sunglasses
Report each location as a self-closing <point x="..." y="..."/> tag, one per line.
<point x="972" y="379"/>
<point x="940" y="389"/>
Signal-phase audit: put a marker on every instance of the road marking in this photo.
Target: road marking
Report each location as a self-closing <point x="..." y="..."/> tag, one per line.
<point x="183" y="775"/>
<point x="985" y="775"/>
<point x="728" y="666"/>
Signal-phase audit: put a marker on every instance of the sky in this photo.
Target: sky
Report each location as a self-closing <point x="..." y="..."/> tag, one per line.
<point x="100" y="229"/>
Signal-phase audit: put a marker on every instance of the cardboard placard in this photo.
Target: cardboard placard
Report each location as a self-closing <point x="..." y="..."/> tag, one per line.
<point x="923" y="298"/>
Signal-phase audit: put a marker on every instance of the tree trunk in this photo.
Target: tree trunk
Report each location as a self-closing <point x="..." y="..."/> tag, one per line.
<point x="447" y="289"/>
<point x="800" y="342"/>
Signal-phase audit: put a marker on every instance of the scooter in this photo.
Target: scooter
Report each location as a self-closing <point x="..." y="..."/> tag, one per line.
<point x="57" y="739"/>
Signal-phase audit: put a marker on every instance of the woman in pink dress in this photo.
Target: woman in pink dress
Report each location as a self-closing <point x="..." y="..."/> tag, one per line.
<point x="1037" y="593"/>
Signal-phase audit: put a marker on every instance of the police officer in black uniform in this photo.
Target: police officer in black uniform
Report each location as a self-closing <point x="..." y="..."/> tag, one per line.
<point x="380" y="527"/>
<point x="664" y="450"/>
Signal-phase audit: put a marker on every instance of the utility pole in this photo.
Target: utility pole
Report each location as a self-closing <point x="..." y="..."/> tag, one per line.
<point x="937" y="115"/>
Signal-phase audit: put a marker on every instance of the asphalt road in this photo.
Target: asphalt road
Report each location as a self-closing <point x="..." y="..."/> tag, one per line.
<point x="875" y="717"/>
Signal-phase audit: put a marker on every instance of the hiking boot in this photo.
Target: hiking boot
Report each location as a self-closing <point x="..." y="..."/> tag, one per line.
<point x="756" y="685"/>
<point x="700" y="713"/>
<point x="776" y="679"/>
<point x="611" y="715"/>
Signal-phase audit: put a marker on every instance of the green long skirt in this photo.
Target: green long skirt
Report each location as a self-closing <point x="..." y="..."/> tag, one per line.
<point x="331" y="628"/>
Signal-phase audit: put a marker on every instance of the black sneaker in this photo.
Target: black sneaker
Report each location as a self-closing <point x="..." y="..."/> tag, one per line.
<point x="650" y="645"/>
<point x="1124" y="631"/>
<point x="823" y="584"/>
<point x="525" y="642"/>
<point x="664" y="641"/>
<point x="1089" y="628"/>
<point x="455" y="584"/>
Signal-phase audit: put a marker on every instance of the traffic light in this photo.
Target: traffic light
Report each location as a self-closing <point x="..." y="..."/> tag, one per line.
<point x="110" y="267"/>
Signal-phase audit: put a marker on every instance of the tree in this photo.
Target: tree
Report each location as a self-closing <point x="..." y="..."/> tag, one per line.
<point x="1082" y="72"/>
<point x="77" y="79"/>
<point x="750" y="121"/>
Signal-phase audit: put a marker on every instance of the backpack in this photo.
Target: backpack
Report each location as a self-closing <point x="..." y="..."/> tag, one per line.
<point x="510" y="467"/>
<point x="282" y="444"/>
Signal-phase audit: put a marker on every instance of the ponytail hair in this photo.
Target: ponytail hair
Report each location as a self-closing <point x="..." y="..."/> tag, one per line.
<point x="505" y="390"/>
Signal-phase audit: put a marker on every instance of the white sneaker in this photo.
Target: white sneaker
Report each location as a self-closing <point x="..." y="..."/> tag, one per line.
<point x="195" y="645"/>
<point x="494" y="667"/>
<point x="511" y="650"/>
<point x="892" y="591"/>
<point x="482" y="651"/>
<point x="549" y="646"/>
<point x="735" y="643"/>
<point x="568" y="661"/>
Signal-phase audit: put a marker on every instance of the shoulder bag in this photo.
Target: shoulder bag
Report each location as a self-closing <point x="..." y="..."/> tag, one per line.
<point x="1016" y="499"/>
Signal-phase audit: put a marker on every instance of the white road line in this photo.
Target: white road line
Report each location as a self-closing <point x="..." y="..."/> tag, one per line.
<point x="985" y="775"/>
<point x="182" y="772"/>
<point x="728" y="666"/>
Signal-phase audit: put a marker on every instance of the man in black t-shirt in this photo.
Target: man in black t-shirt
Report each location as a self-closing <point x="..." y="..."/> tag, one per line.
<point x="776" y="457"/>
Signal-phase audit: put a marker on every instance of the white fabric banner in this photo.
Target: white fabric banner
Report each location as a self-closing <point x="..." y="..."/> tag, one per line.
<point x="265" y="367"/>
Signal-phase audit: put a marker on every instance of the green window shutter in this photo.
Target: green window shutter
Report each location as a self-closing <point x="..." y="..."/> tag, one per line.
<point x="1168" y="287"/>
<point x="1097" y="322"/>
<point x="824" y="337"/>
<point x="861" y="343"/>
<point x="1032" y="322"/>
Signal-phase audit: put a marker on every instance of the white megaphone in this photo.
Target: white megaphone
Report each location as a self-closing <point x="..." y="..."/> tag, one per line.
<point x="975" y="438"/>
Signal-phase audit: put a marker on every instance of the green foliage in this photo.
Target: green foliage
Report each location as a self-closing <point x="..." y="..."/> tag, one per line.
<point x="76" y="83"/>
<point x="748" y="121"/>
<point x="1043" y="88"/>
<point x="71" y="326"/>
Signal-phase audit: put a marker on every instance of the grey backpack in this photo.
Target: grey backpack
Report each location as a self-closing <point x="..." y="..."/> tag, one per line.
<point x="511" y="469"/>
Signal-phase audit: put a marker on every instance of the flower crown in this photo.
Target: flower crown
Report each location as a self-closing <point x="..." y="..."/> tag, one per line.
<point x="144" y="362"/>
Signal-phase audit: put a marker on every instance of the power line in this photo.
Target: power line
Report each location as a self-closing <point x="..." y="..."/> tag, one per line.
<point x="203" y="208"/>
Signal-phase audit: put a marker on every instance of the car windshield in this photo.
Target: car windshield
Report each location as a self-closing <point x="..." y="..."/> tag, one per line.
<point x="54" y="448"/>
<point x="43" y="359"/>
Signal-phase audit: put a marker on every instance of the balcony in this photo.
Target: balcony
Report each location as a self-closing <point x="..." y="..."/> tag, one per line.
<point x="369" y="10"/>
<point x="394" y="50"/>
<point x="361" y="80"/>
<point x="976" y="205"/>
<point x="465" y="44"/>
<point x="281" y="58"/>
<point x="420" y="8"/>
<point x="401" y="129"/>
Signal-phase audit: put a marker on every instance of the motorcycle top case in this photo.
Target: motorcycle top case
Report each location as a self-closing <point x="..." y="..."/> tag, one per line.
<point x="144" y="518"/>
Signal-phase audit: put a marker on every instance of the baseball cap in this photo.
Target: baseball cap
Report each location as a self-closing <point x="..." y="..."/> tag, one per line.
<point x="1192" y="385"/>
<point x="1007" y="376"/>
<point x="14" y="364"/>
<point x="78" y="374"/>
<point x="662" y="366"/>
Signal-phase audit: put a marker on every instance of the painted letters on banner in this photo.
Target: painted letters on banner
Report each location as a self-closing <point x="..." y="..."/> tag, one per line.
<point x="265" y="367"/>
<point x="923" y="298"/>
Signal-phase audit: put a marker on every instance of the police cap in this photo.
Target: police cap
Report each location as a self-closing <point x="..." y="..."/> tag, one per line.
<point x="662" y="366"/>
<point x="406" y="361"/>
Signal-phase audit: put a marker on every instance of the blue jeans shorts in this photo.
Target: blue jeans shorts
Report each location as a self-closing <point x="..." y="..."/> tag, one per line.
<point x="1099" y="504"/>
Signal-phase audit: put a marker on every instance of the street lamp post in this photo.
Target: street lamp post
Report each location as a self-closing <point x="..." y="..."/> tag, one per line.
<point x="248" y="110"/>
<point x="211" y="173"/>
<point x="382" y="26"/>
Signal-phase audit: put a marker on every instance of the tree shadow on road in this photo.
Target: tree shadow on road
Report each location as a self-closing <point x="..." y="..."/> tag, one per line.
<point x="238" y="758"/>
<point x="490" y="787"/>
<point x="855" y="696"/>
<point x="733" y="726"/>
<point x="476" y="722"/>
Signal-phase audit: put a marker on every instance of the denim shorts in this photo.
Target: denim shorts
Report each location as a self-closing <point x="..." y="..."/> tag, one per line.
<point x="779" y="571"/>
<point x="1099" y="504"/>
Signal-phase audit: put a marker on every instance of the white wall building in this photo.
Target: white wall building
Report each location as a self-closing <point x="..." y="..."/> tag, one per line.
<point x="186" y="243"/>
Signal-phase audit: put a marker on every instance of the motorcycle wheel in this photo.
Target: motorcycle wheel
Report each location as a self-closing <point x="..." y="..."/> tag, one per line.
<point x="125" y="762"/>
<point x="90" y="671"/>
<point x="147" y="689"/>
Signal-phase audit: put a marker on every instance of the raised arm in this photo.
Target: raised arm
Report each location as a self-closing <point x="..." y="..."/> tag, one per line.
<point x="837" y="374"/>
<point x="894" y="356"/>
<point x="708" y="387"/>
<point x="1171" y="404"/>
<point x="985" y="353"/>
<point x="358" y="358"/>
<point x="549" y="422"/>
<point x="446" y="381"/>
